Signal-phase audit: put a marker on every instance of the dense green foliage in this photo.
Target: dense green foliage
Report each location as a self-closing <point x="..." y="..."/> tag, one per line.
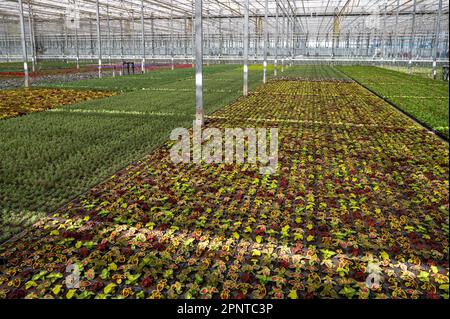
<point x="50" y="157"/>
<point x="360" y="191"/>
<point x="314" y="72"/>
<point x="424" y="99"/>
<point x="425" y="72"/>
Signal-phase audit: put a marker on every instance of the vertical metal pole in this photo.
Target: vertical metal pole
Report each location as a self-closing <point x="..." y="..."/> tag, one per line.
<point x="391" y="43"/>
<point x="230" y="41"/>
<point x="199" y="63"/>
<point x="143" y="37"/>
<point x="5" y="40"/>
<point x="288" y="38"/>
<point x="421" y="41"/>
<point x="306" y="44"/>
<point x="257" y="39"/>
<point x="436" y="39"/>
<point x="220" y="36"/>
<point x="121" y="37"/>
<point x="186" y="36"/>
<point x="396" y="30"/>
<point x="30" y="27"/>
<point x="293" y="38"/>
<point x="246" y="31"/>
<point x="411" y="41"/>
<point x="133" y="34"/>
<point x="208" y="36"/>
<point x="77" y="49"/>
<point x="368" y="44"/>
<point x="266" y="40"/>
<point x="335" y="26"/>
<point x="152" y="27"/>
<point x="283" y="44"/>
<point x="90" y="36"/>
<point x="24" y="45"/>
<point x="99" y="41"/>
<point x="65" y="40"/>
<point x="109" y="39"/>
<point x="275" y="64"/>
<point x="171" y="36"/>
<point x="33" y="29"/>
<point x="193" y="32"/>
<point x="61" y="39"/>
<point x="383" y="43"/>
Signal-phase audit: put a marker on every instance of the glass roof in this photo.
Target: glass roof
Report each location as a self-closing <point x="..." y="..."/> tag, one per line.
<point x="310" y="16"/>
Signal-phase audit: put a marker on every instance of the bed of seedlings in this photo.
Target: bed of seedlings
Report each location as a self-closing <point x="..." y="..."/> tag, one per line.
<point x="312" y="73"/>
<point x="24" y="101"/>
<point x="425" y="72"/>
<point x="60" y="74"/>
<point x="424" y="99"/>
<point x="361" y="192"/>
<point x="82" y="144"/>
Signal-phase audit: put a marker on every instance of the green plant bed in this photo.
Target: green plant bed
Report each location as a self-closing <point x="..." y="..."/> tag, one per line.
<point x="313" y="72"/>
<point x="48" y="158"/>
<point x="424" y="99"/>
<point x="425" y="72"/>
<point x="152" y="79"/>
<point x="360" y="192"/>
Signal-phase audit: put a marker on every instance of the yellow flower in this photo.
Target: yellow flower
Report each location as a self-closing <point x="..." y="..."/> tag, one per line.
<point x="127" y="292"/>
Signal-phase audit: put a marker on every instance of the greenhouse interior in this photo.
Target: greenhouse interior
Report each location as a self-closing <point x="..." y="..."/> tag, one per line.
<point x="224" y="149"/>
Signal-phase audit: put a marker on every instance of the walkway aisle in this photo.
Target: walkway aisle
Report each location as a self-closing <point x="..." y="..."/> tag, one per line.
<point x="360" y="192"/>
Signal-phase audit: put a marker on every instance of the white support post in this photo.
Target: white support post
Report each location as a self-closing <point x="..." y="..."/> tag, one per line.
<point x="436" y="39"/>
<point x="77" y="48"/>
<point x="6" y="40"/>
<point x="266" y="40"/>
<point x="246" y="31"/>
<point x="283" y="45"/>
<point x="99" y="41"/>
<point x="411" y="41"/>
<point x="133" y="35"/>
<point x="383" y="33"/>
<point x="31" y="34"/>
<point x="171" y="36"/>
<point x="275" y="64"/>
<point x="220" y="36"/>
<point x="396" y="30"/>
<point x="289" y="39"/>
<point x="185" y="40"/>
<point x="121" y="40"/>
<point x="295" y="38"/>
<point x="199" y="115"/>
<point x="208" y="36"/>
<point x="152" y="31"/>
<point x="109" y="39"/>
<point x="24" y="46"/>
<point x="91" y="39"/>
<point x="193" y="33"/>
<point x="143" y="37"/>
<point x="66" y="41"/>
<point x="77" y="57"/>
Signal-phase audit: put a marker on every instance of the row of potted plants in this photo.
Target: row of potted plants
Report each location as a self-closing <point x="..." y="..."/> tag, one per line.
<point x="358" y="208"/>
